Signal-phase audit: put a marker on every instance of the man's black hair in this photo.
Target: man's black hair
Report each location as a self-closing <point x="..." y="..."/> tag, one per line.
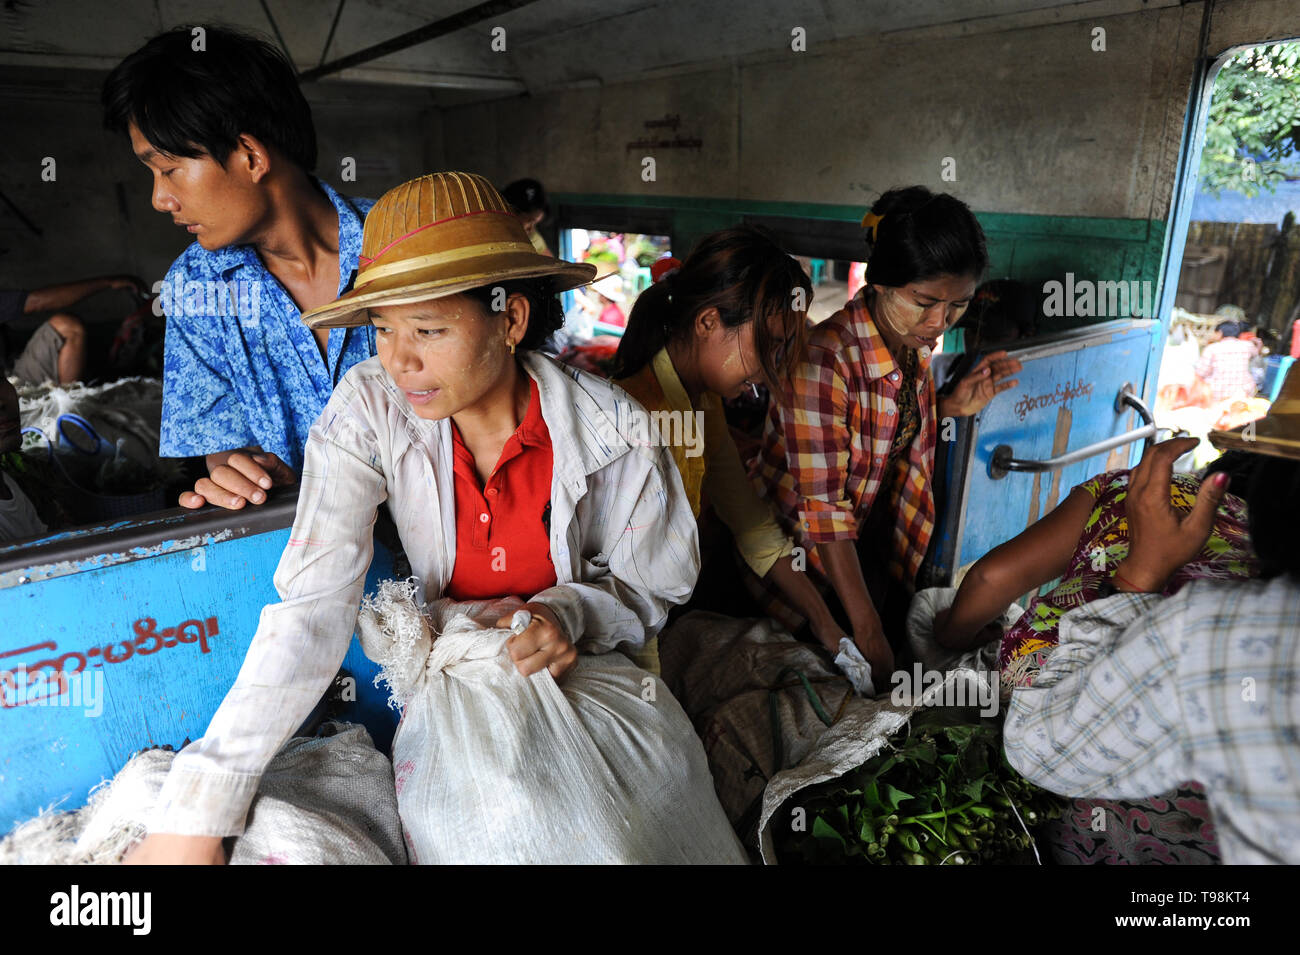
<point x="191" y="98"/>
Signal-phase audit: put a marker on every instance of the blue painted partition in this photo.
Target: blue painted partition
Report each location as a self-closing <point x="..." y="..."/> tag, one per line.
<point x="1065" y="400"/>
<point x="148" y="620"/>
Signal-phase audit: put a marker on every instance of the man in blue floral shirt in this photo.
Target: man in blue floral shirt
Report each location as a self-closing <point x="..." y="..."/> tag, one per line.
<point x="218" y="118"/>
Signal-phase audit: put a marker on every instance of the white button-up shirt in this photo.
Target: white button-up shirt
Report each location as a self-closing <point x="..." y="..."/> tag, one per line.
<point x="1145" y="693"/>
<point x="623" y="542"/>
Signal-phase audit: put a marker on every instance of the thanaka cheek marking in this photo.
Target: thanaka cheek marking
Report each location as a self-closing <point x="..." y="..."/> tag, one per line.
<point x="896" y="322"/>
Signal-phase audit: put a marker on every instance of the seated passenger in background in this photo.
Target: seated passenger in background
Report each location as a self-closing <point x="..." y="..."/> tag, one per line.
<point x="704" y="332"/>
<point x="1146" y="691"/>
<point x="18" y="518"/>
<point x="229" y="139"/>
<point x="1224" y="364"/>
<point x="57" y="350"/>
<point x="848" y="451"/>
<point x="609" y="299"/>
<point x="528" y="198"/>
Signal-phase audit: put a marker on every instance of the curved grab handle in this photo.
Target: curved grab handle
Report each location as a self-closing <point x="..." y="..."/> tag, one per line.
<point x="1003" y="462"/>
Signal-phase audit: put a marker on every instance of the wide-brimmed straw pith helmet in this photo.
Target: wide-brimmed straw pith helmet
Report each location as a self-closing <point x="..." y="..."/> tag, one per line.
<point x="1277" y="434"/>
<point x="438" y="235"/>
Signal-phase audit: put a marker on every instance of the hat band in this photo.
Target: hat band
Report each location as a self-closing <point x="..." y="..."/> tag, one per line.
<point x="374" y="272"/>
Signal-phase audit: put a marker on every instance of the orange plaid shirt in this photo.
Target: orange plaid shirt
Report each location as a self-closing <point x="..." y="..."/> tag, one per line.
<point x="826" y="446"/>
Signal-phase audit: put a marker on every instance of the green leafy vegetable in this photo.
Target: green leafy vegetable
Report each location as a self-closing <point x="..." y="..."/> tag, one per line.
<point x="944" y="794"/>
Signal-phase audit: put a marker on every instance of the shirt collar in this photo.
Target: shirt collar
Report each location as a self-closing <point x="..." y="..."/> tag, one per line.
<point x="877" y="361"/>
<point x="673" y="389"/>
<point x="532" y="430"/>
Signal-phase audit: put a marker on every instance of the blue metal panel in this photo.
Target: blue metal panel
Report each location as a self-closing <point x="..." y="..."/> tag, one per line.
<point x="1065" y="399"/>
<point x="150" y="645"/>
<point x="1277" y="367"/>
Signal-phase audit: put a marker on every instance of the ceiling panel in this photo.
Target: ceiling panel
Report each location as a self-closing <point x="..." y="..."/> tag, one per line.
<point x="550" y="43"/>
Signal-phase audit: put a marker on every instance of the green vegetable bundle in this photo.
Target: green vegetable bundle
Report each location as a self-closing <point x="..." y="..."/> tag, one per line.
<point x="943" y="795"/>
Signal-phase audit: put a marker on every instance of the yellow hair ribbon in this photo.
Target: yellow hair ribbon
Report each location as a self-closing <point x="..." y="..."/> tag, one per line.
<point x="871" y="221"/>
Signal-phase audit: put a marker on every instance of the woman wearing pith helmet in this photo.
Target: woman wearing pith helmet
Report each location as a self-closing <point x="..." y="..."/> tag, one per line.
<point x="481" y="446"/>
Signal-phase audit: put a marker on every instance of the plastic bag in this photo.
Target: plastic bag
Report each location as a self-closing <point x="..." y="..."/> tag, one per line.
<point x="493" y="767"/>
<point x="926" y="605"/>
<point x="323" y="800"/>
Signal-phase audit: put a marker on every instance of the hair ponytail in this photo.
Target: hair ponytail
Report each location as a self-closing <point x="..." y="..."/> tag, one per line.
<point x="648" y="329"/>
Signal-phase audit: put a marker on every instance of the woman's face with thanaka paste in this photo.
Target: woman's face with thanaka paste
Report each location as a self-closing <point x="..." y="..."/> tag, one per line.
<point x="448" y="354"/>
<point x="916" y="314"/>
<point x="727" y="359"/>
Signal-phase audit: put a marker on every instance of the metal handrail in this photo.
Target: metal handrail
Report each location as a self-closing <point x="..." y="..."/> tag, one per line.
<point x="1002" y="462"/>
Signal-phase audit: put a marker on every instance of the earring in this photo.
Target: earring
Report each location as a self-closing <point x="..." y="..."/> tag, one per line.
<point x="511" y="344"/>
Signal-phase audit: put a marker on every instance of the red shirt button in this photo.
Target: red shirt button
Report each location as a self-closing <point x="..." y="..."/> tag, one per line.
<point x="484" y="518"/>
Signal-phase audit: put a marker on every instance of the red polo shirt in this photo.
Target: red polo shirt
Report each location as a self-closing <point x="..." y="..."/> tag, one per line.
<point x="503" y="544"/>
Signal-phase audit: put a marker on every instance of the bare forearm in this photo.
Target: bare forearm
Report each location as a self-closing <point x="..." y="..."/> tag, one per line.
<point x="803" y="593"/>
<point x="845" y="573"/>
<point x="54" y="298"/>
<point x="1038" y="554"/>
<point x="987" y="589"/>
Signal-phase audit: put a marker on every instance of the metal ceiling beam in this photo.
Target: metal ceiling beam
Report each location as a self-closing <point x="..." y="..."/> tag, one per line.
<point x="276" y="27"/>
<point x="457" y="21"/>
<point x="330" y="39"/>
<point x="432" y="80"/>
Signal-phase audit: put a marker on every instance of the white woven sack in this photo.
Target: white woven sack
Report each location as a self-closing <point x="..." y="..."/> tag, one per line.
<point x="493" y="767"/>
<point x="926" y="605"/>
<point x="326" y="800"/>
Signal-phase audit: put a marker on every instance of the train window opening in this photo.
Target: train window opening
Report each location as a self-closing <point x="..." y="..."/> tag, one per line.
<point x="1234" y="325"/>
<point x="624" y="258"/>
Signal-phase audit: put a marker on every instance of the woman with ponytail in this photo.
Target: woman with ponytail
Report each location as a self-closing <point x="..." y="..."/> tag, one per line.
<point x="848" y="451"/>
<point x="732" y="315"/>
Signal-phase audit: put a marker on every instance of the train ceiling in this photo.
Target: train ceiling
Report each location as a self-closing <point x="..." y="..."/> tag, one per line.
<point x="446" y="46"/>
